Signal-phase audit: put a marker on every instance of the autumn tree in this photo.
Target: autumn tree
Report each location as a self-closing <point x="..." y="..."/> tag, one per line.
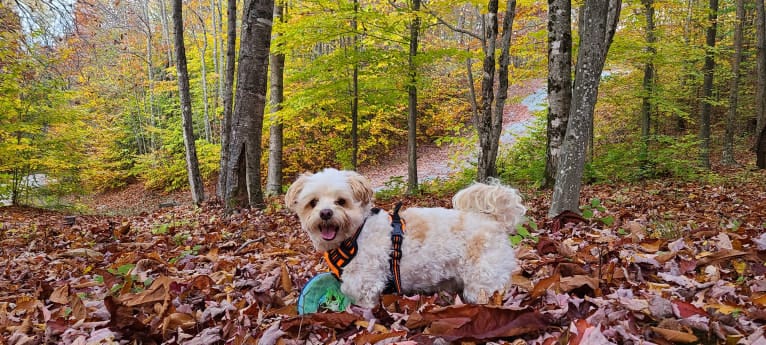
<point x="192" y="165"/>
<point x="596" y="35"/>
<point x="242" y="184"/>
<point x="559" y="83"/>
<point x="276" y="96"/>
<point x="412" y="102"/>
<point x="707" y="86"/>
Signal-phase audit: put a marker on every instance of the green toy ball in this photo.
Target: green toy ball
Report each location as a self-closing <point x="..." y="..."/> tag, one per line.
<point x="322" y="291"/>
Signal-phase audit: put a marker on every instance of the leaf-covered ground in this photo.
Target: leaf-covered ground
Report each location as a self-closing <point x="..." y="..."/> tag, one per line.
<point x="654" y="263"/>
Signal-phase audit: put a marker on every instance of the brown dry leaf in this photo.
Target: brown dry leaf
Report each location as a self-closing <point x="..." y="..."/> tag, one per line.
<point x="477" y="322"/>
<point x="570" y="283"/>
<point x="60" y="295"/>
<point x="286" y="282"/>
<point x="157" y="292"/>
<point x="545" y="284"/>
<point x="177" y="320"/>
<point x="372" y="338"/>
<point x="675" y="336"/>
<point x="328" y="320"/>
<point x="79" y="312"/>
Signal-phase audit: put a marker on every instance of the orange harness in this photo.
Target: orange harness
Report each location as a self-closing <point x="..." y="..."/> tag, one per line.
<point x="340" y="257"/>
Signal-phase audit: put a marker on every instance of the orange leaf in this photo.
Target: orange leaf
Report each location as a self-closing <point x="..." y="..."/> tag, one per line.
<point x="545" y="284"/>
<point x="60" y="295"/>
<point x="675" y="336"/>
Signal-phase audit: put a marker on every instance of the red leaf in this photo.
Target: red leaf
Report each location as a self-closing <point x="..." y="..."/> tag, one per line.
<point x="477" y="322"/>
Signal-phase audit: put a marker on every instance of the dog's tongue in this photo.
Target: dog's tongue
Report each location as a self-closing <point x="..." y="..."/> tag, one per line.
<point x="328" y="232"/>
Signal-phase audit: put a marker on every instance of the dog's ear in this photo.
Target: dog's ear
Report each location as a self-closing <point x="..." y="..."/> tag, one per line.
<point x="291" y="197"/>
<point x="360" y="187"/>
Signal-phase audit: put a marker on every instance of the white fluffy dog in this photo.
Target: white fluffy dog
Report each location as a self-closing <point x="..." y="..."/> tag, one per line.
<point x="462" y="249"/>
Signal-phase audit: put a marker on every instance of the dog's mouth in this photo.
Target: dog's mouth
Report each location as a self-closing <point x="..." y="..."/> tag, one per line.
<point x="328" y="231"/>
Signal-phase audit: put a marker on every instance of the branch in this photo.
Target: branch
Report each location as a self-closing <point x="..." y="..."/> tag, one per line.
<point x="452" y="27"/>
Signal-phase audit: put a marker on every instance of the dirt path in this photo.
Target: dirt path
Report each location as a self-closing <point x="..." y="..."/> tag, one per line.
<point x="437" y="161"/>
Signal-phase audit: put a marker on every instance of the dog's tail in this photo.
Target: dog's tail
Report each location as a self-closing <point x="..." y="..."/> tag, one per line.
<point x="500" y="202"/>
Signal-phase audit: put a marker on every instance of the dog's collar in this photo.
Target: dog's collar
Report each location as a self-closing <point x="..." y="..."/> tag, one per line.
<point x="339" y="257"/>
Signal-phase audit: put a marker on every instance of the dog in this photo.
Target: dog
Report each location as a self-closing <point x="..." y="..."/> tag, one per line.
<point x="465" y="249"/>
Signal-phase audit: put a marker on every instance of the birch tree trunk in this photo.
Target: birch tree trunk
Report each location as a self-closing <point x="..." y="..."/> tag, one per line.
<point x="490" y="122"/>
<point x="727" y="156"/>
<point x="243" y="168"/>
<point x="192" y="166"/>
<point x="228" y="100"/>
<point x="276" y="76"/>
<point x="596" y="34"/>
<point x="707" y="86"/>
<point x="412" y="98"/>
<point x="559" y="83"/>
<point x="166" y="32"/>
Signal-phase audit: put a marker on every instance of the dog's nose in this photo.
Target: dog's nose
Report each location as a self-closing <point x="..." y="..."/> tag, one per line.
<point x="325" y="214"/>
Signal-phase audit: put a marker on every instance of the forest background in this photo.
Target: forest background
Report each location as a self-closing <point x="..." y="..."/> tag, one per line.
<point x="90" y="95"/>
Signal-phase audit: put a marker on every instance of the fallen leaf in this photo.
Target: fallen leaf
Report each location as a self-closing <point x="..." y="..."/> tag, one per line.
<point x="675" y="336"/>
<point x="477" y="322"/>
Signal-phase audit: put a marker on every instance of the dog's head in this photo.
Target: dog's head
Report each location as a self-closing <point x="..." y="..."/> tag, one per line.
<point x="331" y="205"/>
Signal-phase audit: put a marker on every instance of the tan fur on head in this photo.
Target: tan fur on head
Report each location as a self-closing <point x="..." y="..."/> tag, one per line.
<point x="295" y="188"/>
<point x="360" y="186"/>
<point x="330" y="204"/>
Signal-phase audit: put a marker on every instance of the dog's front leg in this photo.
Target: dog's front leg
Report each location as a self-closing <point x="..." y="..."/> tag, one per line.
<point x="363" y="284"/>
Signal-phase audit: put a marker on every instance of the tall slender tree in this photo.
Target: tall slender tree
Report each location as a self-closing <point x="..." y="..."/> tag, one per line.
<point x="192" y="165"/>
<point x="243" y="170"/>
<point x="228" y="92"/>
<point x="412" y="103"/>
<point x="276" y="96"/>
<point x="648" y="83"/>
<point x="707" y="84"/>
<point x="727" y="155"/>
<point x="596" y="35"/>
<point x="559" y="83"/>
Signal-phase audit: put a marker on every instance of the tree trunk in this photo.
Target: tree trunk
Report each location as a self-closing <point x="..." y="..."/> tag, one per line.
<point x="760" y="88"/>
<point x="595" y="38"/>
<point x="231" y="39"/>
<point x="412" y="97"/>
<point x="150" y="75"/>
<point x="166" y="33"/>
<point x="244" y="147"/>
<point x="648" y="84"/>
<point x="760" y="151"/>
<point x="486" y="163"/>
<point x="355" y="93"/>
<point x="727" y="156"/>
<point x="707" y="86"/>
<point x="559" y="83"/>
<point x="192" y="166"/>
<point x="203" y="77"/>
<point x="276" y="76"/>
<point x="490" y="122"/>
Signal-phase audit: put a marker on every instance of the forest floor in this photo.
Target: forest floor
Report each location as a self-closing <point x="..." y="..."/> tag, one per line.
<point x="657" y="262"/>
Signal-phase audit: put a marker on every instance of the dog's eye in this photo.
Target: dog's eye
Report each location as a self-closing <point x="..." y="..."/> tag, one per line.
<point x="341" y="202"/>
<point x="313" y="203"/>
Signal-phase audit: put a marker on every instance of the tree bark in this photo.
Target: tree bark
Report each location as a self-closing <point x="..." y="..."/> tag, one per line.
<point x="707" y="86"/>
<point x="559" y="83"/>
<point x="192" y="166"/>
<point x="760" y="151"/>
<point x="760" y="88"/>
<point x="648" y="84"/>
<point x="166" y="33"/>
<point x="355" y="92"/>
<point x="276" y="76"/>
<point x="228" y="99"/>
<point x="727" y="156"/>
<point x="244" y="151"/>
<point x="596" y="35"/>
<point x="412" y="98"/>
<point x="490" y="123"/>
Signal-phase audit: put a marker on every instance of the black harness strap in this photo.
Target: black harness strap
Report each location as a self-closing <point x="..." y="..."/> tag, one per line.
<point x="397" y="237"/>
<point x="340" y="257"/>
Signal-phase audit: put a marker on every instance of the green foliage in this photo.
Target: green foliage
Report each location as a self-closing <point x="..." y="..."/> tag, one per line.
<point x="522" y="233"/>
<point x="593" y="211"/>
<point x="524" y="162"/>
<point x="166" y="168"/>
